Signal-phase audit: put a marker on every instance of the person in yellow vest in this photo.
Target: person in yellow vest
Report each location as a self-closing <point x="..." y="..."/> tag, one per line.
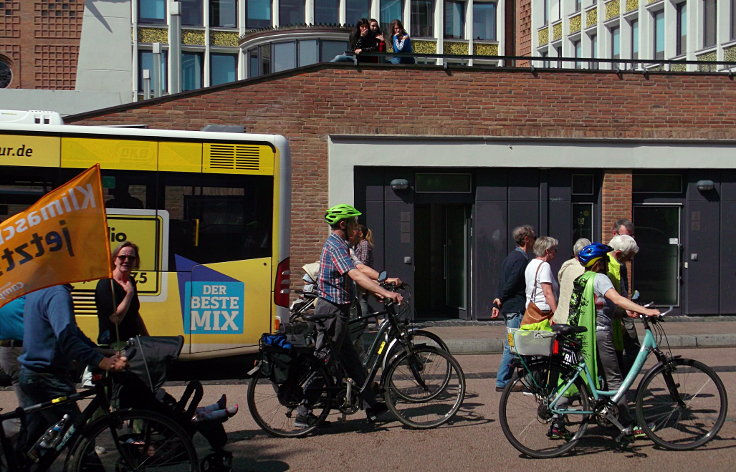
<point x="570" y="270"/>
<point x="625" y="336"/>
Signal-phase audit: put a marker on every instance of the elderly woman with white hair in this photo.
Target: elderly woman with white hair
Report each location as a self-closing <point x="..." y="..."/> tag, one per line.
<point x="541" y="286"/>
<point x="626" y="339"/>
<point x="571" y="269"/>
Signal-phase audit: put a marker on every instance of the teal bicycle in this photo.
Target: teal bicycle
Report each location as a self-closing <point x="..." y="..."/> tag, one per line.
<point x="680" y="403"/>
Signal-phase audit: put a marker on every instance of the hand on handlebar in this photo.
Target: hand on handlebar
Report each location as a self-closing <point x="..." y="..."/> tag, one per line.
<point x="395" y="281"/>
<point x="645" y="312"/>
<point x="395" y="297"/>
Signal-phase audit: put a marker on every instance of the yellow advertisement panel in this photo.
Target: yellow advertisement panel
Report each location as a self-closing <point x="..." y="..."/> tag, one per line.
<point x="149" y="230"/>
<point x="37" y="151"/>
<point x="62" y="238"/>
<point x="126" y="154"/>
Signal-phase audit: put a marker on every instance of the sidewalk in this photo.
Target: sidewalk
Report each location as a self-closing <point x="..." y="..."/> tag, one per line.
<point x="484" y="337"/>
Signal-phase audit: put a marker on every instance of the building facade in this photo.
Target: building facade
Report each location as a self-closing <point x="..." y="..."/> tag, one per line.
<point x="688" y="30"/>
<point x="446" y="171"/>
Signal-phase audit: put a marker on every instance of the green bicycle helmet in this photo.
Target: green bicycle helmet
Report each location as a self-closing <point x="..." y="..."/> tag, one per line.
<point x="340" y="212"/>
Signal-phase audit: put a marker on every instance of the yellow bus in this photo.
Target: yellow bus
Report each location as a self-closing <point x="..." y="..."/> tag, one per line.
<point x="209" y="210"/>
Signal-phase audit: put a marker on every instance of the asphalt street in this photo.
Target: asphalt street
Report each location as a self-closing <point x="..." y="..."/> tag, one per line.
<point x="473" y="441"/>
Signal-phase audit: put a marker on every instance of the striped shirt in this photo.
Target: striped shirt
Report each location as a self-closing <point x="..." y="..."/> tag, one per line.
<point x="334" y="283"/>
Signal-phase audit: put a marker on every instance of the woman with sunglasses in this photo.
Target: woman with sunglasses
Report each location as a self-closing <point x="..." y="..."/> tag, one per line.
<point x="117" y="299"/>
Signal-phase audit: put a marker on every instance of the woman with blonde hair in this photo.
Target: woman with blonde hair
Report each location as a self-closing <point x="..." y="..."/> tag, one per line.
<point x="541" y="286"/>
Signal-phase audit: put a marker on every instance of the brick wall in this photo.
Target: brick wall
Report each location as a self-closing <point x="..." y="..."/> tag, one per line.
<point x="40" y="41"/>
<point x="308" y="105"/>
<point x="523" y="28"/>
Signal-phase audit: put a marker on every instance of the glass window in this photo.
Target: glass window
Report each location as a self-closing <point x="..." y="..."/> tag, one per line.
<point x="615" y="43"/>
<point x="656" y="183"/>
<point x="191" y="12"/>
<point x="681" y="39"/>
<point x="264" y="66"/>
<point x="258" y="14"/>
<point x="391" y="10"/>
<point x="733" y="19"/>
<point x="635" y="39"/>
<point x="284" y="56"/>
<point x="577" y="51"/>
<point x="554" y="10"/>
<point x="594" y="50"/>
<point x="582" y="218"/>
<point x="330" y="49"/>
<point x="577" y="5"/>
<point x="223" y="68"/>
<point x="355" y="10"/>
<point x="152" y="11"/>
<point x="291" y="12"/>
<point x="659" y="34"/>
<point x="422" y="18"/>
<point x="443" y="183"/>
<point x="6" y="74"/>
<point x="224" y="13"/>
<point x="484" y="20"/>
<point x="308" y="53"/>
<point x="191" y="71"/>
<point x="709" y="23"/>
<point x="216" y="218"/>
<point x="454" y="19"/>
<point x="145" y="61"/>
<point x="545" y="12"/>
<point x="254" y="69"/>
<point x="326" y="12"/>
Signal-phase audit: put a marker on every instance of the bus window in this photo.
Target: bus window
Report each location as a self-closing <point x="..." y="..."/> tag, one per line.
<point x="218" y="218"/>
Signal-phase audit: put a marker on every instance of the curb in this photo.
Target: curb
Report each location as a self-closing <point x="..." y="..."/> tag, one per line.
<point x="495" y="346"/>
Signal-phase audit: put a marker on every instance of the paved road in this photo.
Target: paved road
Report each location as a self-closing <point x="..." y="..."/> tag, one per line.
<point x="473" y="442"/>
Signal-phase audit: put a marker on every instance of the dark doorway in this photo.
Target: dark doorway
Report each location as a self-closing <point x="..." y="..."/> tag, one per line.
<point x="442" y="255"/>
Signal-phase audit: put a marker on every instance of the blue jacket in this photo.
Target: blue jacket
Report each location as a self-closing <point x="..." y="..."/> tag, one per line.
<point x="51" y="337"/>
<point x="402" y="47"/>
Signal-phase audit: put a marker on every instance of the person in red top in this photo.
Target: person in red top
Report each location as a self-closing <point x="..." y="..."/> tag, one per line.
<point x="380" y="40"/>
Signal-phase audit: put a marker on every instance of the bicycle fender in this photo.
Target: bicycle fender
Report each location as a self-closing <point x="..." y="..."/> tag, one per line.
<point x="255" y="369"/>
<point x="650" y="373"/>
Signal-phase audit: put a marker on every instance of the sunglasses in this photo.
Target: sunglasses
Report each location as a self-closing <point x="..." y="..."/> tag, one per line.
<point x="125" y="256"/>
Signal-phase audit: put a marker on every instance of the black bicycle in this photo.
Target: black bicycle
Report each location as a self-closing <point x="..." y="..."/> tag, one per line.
<point x="103" y="440"/>
<point x="423" y="386"/>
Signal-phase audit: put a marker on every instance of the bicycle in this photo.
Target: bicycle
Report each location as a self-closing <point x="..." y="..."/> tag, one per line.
<point x="359" y="321"/>
<point x="681" y="403"/>
<point x="423" y="386"/>
<point x="104" y="440"/>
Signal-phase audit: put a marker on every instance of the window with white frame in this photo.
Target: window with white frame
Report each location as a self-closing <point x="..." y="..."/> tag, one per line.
<point x="658" y="31"/>
<point x="152" y="11"/>
<point x="223" y="68"/>
<point x="390" y="10"/>
<point x="191" y="13"/>
<point x="484" y="20"/>
<point x="355" y="10"/>
<point x="681" y="38"/>
<point x="593" y="49"/>
<point x="224" y="13"/>
<point x="291" y="12"/>
<point x="577" y="51"/>
<point x="326" y="12"/>
<point x="733" y="19"/>
<point x="616" y="42"/>
<point x="709" y="23"/>
<point x="422" y="18"/>
<point x="192" y="70"/>
<point x="146" y="62"/>
<point x="258" y="14"/>
<point x="454" y="19"/>
<point x="635" y="39"/>
<point x="555" y="10"/>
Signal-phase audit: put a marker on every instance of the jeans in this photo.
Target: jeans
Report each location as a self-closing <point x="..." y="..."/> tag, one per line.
<point x="503" y="376"/>
<point x="9" y="364"/>
<point x="37" y="387"/>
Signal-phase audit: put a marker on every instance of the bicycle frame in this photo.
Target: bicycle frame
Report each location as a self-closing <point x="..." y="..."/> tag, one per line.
<point x="71" y="434"/>
<point x="649" y="345"/>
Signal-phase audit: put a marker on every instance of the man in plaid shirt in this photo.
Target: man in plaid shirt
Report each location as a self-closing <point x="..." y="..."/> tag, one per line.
<point x="336" y="292"/>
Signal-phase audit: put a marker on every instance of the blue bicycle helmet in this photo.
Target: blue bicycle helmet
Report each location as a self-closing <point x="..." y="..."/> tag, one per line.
<point x="591" y="253"/>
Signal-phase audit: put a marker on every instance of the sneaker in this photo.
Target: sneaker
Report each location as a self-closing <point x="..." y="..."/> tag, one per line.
<point x="306" y="421"/>
<point x="636" y="432"/>
<point x="558" y="431"/>
<point x="373" y="412"/>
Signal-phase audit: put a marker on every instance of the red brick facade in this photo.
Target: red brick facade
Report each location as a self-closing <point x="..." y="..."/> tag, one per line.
<point x="40" y="42"/>
<point x="322" y="100"/>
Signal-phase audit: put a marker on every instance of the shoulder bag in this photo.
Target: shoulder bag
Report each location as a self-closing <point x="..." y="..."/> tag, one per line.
<point x="533" y="314"/>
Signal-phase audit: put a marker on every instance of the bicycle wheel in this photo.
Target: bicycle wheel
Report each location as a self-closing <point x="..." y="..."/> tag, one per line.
<point x="681" y="404"/>
<point x="425" y="389"/>
<point x="275" y="408"/>
<point x="418" y="337"/>
<point x="526" y="418"/>
<point x="133" y="440"/>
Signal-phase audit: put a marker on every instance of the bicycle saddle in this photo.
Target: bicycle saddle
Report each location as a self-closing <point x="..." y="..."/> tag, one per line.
<point x="564" y="329"/>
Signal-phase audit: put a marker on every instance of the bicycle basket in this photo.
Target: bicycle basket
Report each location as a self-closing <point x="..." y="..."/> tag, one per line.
<point x="531" y="343"/>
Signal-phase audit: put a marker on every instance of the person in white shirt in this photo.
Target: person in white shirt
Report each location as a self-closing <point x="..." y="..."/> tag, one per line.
<point x="541" y="285"/>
